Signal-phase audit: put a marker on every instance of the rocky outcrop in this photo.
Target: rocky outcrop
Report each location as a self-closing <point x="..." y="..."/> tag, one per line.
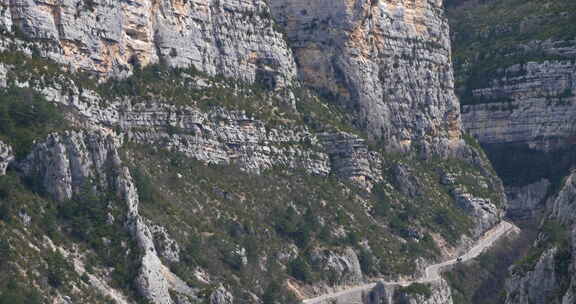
<point x="166" y="246"/>
<point x="151" y="281"/>
<point x="406" y="181"/>
<point x="221" y="296"/>
<point x="111" y="38"/>
<point x="387" y="61"/>
<point x="341" y="268"/>
<point x="64" y="164"/>
<point x="563" y="206"/>
<point x="6" y="156"/>
<point x="439" y="293"/>
<point x="350" y="157"/>
<point x="484" y="212"/>
<point x="224" y="137"/>
<point x="525" y="202"/>
<point x="536" y="286"/>
<point x="487" y="211"/>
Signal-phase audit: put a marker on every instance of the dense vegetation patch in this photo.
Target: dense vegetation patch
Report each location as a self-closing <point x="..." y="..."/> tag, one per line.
<point x="30" y="223"/>
<point x="231" y="223"/>
<point x="552" y="234"/>
<point x="26" y="116"/>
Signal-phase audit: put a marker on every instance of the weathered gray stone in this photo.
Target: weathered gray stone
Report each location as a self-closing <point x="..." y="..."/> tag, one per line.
<point x="406" y="181"/>
<point x="224" y="137"/>
<point x="166" y="246"/>
<point x="539" y="111"/>
<point x="534" y="286"/>
<point x="392" y="294"/>
<point x="65" y="163"/>
<point x="525" y="202"/>
<point x="5" y="16"/>
<point x="221" y="296"/>
<point x="563" y="206"/>
<point x="350" y="158"/>
<point x="387" y="61"/>
<point x="236" y="39"/>
<point x="342" y="267"/>
<point x="151" y="280"/>
<point x="6" y="156"/>
<point x="484" y="213"/>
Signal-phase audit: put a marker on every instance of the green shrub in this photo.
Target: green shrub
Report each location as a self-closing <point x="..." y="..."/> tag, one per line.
<point x="301" y="270"/>
<point x="12" y="196"/>
<point x="294" y="226"/>
<point x="13" y="293"/>
<point x="4" y="251"/>
<point x="144" y="185"/>
<point x="271" y="294"/>
<point x="367" y="263"/>
<point x="417" y="289"/>
<point x="86" y="215"/>
<point x="58" y="269"/>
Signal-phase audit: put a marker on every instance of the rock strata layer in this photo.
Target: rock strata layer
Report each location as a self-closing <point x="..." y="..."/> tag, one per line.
<point x="386" y="61"/>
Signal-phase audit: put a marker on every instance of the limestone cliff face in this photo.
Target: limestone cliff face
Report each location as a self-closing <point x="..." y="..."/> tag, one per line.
<point x="63" y="164"/>
<point x="387" y="61"/>
<point x="516" y="81"/>
<point x="530" y="103"/>
<point x="232" y="38"/>
<point x="525" y="202"/>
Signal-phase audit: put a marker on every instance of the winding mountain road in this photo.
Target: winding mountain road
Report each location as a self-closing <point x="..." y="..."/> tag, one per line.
<point x="432" y="272"/>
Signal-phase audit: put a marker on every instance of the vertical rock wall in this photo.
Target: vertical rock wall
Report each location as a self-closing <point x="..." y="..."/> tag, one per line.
<point x="387" y="61"/>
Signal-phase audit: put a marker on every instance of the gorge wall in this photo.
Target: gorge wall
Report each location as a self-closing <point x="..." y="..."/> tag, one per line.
<point x="232" y="151"/>
<point x="515" y="67"/>
<point x="388" y="62"/>
<point x="516" y="76"/>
